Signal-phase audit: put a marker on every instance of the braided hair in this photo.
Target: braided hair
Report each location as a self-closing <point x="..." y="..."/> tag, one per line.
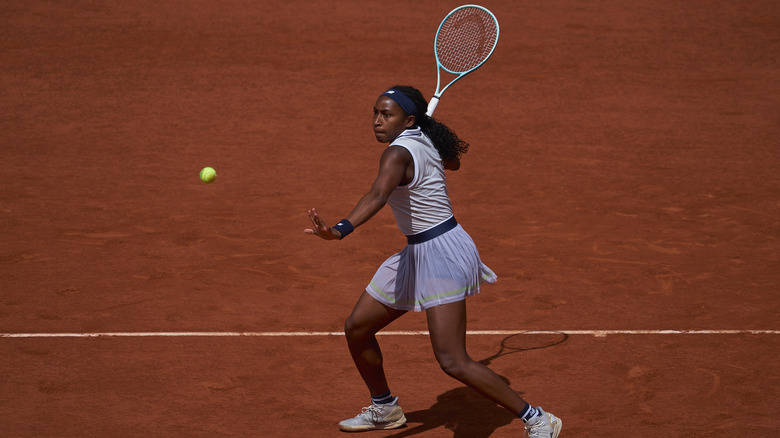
<point x="445" y="141"/>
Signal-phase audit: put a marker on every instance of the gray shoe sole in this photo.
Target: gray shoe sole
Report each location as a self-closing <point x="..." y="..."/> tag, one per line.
<point x="364" y="427"/>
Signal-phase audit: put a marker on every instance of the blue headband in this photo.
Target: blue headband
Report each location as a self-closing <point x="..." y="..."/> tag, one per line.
<point x="402" y="100"/>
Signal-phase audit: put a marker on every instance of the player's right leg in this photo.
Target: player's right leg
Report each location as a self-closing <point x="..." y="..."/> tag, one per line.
<point x="447" y="326"/>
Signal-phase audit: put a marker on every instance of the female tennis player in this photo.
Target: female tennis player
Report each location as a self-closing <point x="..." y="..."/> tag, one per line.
<point x="434" y="273"/>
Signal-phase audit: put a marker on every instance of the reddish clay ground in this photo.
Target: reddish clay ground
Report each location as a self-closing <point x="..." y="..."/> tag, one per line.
<point x="623" y="175"/>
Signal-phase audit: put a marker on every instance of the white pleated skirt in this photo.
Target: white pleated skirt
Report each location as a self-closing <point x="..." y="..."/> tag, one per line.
<point x="442" y="270"/>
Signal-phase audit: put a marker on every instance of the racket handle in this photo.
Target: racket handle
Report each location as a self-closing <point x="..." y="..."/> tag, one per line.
<point x="432" y="106"/>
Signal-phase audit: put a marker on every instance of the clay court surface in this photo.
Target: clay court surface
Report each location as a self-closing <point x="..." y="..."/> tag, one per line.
<point x="623" y="175"/>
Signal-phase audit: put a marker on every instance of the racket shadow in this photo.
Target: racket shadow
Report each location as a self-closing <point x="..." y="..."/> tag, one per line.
<point x="526" y="341"/>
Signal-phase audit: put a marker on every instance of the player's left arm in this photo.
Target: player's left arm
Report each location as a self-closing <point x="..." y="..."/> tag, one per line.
<point x="392" y="168"/>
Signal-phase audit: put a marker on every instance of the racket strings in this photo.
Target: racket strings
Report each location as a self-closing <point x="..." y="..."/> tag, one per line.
<point x="466" y="39"/>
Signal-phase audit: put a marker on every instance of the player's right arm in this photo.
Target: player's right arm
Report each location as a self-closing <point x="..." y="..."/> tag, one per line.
<point x="453" y="164"/>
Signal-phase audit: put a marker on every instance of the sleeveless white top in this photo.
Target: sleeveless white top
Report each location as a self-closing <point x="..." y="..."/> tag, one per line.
<point x="425" y="201"/>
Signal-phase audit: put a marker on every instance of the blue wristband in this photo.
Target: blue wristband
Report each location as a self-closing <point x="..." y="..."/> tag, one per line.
<point x="344" y="227"/>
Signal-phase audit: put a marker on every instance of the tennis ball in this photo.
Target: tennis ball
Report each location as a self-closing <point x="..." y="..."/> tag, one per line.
<point x="208" y="175"/>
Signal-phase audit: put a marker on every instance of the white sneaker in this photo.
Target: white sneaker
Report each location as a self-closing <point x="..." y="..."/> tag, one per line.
<point x="387" y="416"/>
<point x="544" y="425"/>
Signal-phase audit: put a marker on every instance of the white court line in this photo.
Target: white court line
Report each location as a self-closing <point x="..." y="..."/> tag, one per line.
<point x="597" y="333"/>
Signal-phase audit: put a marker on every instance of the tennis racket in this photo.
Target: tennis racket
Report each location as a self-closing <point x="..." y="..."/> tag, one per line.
<point x="464" y="41"/>
<point x="524" y="341"/>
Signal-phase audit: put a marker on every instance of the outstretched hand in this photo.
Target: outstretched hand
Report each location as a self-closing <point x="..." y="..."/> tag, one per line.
<point x="319" y="228"/>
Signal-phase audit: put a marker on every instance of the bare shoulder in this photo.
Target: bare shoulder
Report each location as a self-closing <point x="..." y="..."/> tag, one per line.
<point x="397" y="154"/>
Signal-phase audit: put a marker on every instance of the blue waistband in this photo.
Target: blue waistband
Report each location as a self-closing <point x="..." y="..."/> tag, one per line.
<point x="432" y="233"/>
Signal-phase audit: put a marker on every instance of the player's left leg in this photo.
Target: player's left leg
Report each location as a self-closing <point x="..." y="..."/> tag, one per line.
<point x="368" y="317"/>
<point x="447" y="325"/>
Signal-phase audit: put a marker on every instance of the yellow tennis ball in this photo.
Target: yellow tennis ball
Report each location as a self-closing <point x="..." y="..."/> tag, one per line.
<point x="208" y="175"/>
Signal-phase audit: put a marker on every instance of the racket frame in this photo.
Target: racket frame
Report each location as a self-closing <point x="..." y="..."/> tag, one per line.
<point x="439" y="67"/>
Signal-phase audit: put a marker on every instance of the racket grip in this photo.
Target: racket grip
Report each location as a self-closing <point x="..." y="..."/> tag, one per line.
<point x="432" y="106"/>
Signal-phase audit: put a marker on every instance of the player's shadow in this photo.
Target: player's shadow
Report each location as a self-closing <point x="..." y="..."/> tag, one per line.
<point x="466" y="412"/>
<point x="463" y="411"/>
